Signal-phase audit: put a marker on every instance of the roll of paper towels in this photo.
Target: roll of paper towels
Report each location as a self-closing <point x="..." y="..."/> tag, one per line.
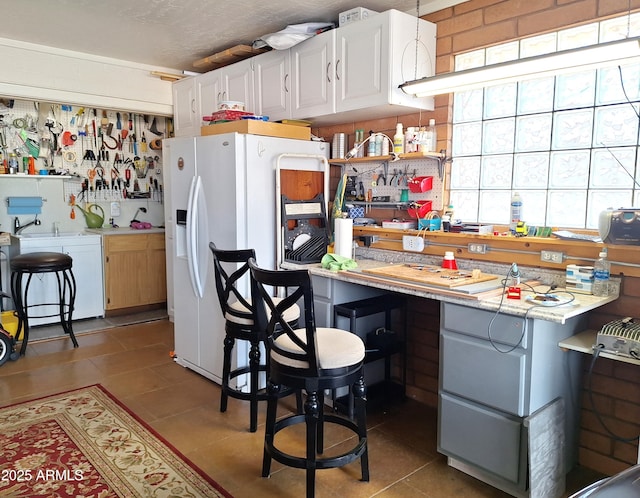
<point x="343" y="245"/>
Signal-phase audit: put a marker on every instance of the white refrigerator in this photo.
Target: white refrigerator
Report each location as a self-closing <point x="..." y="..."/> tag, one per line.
<point x="221" y="189"/>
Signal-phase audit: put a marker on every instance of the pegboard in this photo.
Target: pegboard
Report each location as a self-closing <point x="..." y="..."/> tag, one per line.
<point x="369" y="172"/>
<point x="93" y="156"/>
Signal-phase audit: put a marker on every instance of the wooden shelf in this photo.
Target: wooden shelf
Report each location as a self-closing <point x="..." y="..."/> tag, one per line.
<point x="408" y="155"/>
<point x="583" y="343"/>
<point x="38" y="177"/>
<point x="228" y="56"/>
<point x="382" y="204"/>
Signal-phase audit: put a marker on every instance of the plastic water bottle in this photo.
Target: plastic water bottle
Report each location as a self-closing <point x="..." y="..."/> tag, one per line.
<point x="601" y="272"/>
<point x="432" y="136"/>
<point x="516" y="211"/>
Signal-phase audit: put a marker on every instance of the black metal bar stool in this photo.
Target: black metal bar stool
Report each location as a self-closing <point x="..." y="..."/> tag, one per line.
<point x="23" y="268"/>
<point x="230" y="268"/>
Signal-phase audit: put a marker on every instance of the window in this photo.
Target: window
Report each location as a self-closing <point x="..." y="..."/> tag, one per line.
<point x="568" y="144"/>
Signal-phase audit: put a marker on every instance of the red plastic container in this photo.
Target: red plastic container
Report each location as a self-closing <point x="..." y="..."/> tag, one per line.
<point x="420" y="184"/>
<point x="420" y="210"/>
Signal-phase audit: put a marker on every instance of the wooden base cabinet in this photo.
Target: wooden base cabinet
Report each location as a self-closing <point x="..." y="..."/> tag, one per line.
<point x="509" y="398"/>
<point x="134" y="270"/>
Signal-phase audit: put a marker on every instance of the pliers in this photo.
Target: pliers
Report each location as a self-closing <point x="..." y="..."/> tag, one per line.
<point x="115" y="178"/>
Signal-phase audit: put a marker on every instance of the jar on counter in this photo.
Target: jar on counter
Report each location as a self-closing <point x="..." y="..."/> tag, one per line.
<point x="13" y="164"/>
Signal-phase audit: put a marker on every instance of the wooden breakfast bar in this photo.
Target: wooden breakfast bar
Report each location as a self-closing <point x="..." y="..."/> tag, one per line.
<point x="508" y="395"/>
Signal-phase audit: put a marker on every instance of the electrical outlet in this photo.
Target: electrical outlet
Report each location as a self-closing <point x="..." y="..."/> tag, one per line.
<point x="477" y="248"/>
<point x="552" y="256"/>
<point x="412" y="243"/>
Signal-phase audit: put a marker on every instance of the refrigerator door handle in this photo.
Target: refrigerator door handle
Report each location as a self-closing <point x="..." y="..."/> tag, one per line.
<point x="197" y="245"/>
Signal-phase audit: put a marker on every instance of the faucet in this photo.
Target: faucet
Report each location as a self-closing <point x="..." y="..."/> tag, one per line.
<point x="17" y="227"/>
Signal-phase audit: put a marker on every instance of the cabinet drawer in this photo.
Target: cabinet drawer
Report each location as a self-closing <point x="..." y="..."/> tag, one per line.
<point x="473" y="369"/>
<point x="155" y="241"/>
<point x="505" y="329"/>
<point x="117" y="243"/>
<point x="482" y="437"/>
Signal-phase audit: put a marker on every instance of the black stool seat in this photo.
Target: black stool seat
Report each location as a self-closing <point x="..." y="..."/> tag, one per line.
<point x="41" y="262"/>
<point x="23" y="267"/>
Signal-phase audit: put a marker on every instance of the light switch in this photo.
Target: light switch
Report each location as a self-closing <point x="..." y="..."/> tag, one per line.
<point x="115" y="209"/>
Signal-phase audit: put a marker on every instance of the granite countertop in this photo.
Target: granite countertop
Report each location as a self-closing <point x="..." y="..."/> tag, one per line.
<point x="123" y="231"/>
<point x="571" y="304"/>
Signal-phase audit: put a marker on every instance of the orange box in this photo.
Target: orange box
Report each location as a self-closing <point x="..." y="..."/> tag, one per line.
<point x="255" y="127"/>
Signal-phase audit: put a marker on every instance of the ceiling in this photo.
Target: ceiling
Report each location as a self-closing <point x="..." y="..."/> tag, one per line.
<point x="172" y="34"/>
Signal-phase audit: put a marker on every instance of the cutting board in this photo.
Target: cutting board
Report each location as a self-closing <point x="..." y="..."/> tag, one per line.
<point x="431" y="275"/>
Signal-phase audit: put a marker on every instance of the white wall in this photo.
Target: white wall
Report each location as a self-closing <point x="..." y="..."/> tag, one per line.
<point x="37" y="72"/>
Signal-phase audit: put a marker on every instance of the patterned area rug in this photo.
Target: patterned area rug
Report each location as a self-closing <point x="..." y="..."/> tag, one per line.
<point x="84" y="443"/>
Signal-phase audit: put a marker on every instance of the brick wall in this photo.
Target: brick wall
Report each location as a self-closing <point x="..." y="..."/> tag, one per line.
<point x="616" y="385"/>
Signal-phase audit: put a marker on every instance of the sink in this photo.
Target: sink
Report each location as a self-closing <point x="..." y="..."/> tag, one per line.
<point x="49" y="235"/>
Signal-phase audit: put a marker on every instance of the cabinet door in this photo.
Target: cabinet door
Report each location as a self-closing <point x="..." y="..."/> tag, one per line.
<point x="87" y="270"/>
<point x="483" y="437"/>
<point x="185" y="108"/>
<point x="238" y="83"/>
<point x="475" y="370"/>
<point x="155" y="280"/>
<point x="313" y="77"/>
<point x="361" y="70"/>
<point x="271" y="78"/>
<point x="125" y="268"/>
<point x="210" y="93"/>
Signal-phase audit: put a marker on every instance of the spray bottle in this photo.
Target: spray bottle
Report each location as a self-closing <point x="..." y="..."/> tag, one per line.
<point x="398" y="140"/>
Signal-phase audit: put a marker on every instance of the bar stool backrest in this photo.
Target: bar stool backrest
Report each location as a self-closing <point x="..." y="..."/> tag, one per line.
<point x="227" y="277"/>
<point x="298" y="286"/>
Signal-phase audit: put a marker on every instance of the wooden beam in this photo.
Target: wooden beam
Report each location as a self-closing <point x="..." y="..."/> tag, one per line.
<point x="500" y="249"/>
<point x="228" y="56"/>
<point x="167" y="76"/>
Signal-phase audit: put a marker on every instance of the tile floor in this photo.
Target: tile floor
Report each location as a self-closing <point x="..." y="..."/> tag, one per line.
<point x="133" y="363"/>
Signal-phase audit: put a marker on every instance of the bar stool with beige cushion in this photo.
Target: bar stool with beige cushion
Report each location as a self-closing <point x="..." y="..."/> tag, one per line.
<point x="310" y="359"/>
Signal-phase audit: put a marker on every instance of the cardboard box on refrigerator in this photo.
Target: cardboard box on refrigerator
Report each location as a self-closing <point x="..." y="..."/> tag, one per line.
<point x="256" y="127"/>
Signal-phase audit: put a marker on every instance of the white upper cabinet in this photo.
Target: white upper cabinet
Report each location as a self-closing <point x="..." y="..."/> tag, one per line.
<point x="199" y="96"/>
<point x="238" y="84"/>
<point x="233" y="82"/>
<point x="186" y="121"/>
<point x="210" y="91"/>
<point x="271" y="77"/>
<point x="313" y="85"/>
<point x="346" y="74"/>
<point x="374" y="57"/>
<point x="354" y="72"/>
<point x="362" y="66"/>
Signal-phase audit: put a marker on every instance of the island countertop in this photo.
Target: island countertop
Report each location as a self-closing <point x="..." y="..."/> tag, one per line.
<point x="571" y="304"/>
